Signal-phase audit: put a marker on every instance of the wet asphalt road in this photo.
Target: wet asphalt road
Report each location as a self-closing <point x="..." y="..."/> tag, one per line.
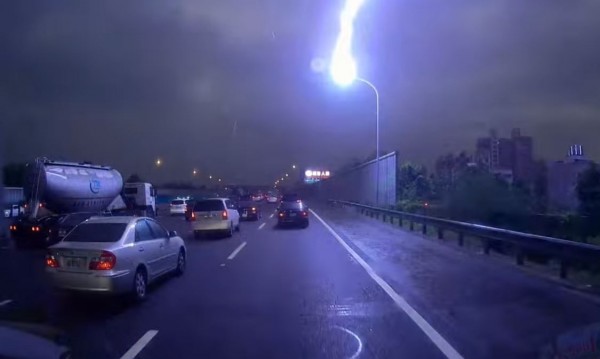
<point x="298" y="293"/>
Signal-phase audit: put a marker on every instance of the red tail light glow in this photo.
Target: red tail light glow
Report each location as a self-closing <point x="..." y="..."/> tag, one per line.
<point x="304" y="214"/>
<point x="106" y="261"/>
<point x="51" y="261"/>
<point x="253" y="209"/>
<point x="224" y="215"/>
<point x="35" y="229"/>
<point x="193" y="216"/>
<point x="281" y="214"/>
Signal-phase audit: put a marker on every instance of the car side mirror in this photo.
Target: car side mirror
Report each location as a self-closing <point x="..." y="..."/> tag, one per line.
<point x="173" y="234"/>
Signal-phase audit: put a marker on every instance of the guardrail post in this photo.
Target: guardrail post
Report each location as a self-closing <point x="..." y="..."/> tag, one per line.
<point x="486" y="246"/>
<point x="461" y="239"/>
<point x="400" y="220"/>
<point x="384" y="218"/>
<point x="440" y="233"/>
<point x="564" y="269"/>
<point x="424" y="228"/>
<point x="520" y="257"/>
<point x="412" y="225"/>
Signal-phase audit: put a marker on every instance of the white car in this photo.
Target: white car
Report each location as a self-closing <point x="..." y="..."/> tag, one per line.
<point x="178" y="206"/>
<point x="271" y="198"/>
<point x="115" y="255"/>
<point x="215" y="215"/>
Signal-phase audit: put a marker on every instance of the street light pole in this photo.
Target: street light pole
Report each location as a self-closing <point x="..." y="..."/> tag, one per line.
<point x="370" y="84"/>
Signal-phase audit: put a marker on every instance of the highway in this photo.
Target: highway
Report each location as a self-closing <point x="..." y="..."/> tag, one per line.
<point x="345" y="287"/>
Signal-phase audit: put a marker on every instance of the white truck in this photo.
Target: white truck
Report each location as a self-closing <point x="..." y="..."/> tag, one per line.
<point x="140" y="196"/>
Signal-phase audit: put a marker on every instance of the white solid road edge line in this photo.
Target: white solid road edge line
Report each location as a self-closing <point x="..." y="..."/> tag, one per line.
<point x="431" y="333"/>
<point x="262" y="225"/>
<point x="5" y="302"/>
<point x="271" y="216"/>
<point x="236" y="251"/>
<point x="139" y="345"/>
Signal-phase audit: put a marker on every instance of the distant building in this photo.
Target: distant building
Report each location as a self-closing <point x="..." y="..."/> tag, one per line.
<point x="562" y="179"/>
<point x="509" y="158"/>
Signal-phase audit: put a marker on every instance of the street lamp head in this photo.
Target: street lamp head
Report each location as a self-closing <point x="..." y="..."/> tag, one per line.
<point x="158" y="162"/>
<point x="343" y="69"/>
<point x="294" y="166"/>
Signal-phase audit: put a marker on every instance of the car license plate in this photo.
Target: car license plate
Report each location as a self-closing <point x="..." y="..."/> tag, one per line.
<point x="293" y="214"/>
<point x="74" y="262"/>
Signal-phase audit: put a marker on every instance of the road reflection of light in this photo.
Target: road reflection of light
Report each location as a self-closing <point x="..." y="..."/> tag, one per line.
<point x="360" y="344"/>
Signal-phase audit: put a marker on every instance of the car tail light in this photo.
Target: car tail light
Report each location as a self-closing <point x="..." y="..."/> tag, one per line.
<point x="51" y="261"/>
<point x="13" y="228"/>
<point x="35" y="229"/>
<point x="304" y="214"/>
<point x="253" y="209"/>
<point x="193" y="216"/>
<point x="106" y="261"/>
<point x="224" y="215"/>
<point x="281" y="214"/>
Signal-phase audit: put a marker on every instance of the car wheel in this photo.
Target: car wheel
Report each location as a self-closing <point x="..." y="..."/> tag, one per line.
<point x="140" y="285"/>
<point x="305" y="224"/>
<point x="180" y="263"/>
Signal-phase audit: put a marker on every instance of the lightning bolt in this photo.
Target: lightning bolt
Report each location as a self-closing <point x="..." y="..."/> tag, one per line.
<point x="343" y="66"/>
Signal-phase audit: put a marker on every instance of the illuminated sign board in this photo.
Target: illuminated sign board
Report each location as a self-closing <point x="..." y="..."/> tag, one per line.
<point x="311" y="176"/>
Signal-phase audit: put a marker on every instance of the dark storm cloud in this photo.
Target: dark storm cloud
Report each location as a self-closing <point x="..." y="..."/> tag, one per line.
<point x="170" y="79"/>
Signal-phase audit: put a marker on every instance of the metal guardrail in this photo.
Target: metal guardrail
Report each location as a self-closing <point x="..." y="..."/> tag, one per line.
<point x="566" y="252"/>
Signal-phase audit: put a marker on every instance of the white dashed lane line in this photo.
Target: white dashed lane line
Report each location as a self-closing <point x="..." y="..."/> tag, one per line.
<point x="262" y="225"/>
<point x="272" y="214"/>
<point x="237" y="250"/>
<point x="5" y="302"/>
<point x="139" y="345"/>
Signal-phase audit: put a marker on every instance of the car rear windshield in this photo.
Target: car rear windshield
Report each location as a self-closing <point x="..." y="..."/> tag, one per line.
<point x="177" y="202"/>
<point x="209" y="205"/>
<point x="96" y="232"/>
<point x="290" y="197"/>
<point x="292" y="205"/>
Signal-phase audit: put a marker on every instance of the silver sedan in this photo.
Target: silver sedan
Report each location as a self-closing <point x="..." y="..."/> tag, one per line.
<point x="115" y="255"/>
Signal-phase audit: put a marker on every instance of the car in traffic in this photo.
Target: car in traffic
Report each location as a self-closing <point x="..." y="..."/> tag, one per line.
<point x="178" y="206"/>
<point x="33" y="233"/>
<point x="292" y="213"/>
<point x="271" y="198"/>
<point x="215" y="215"/>
<point x="247" y="209"/>
<point x="115" y="255"/>
<point x="189" y="209"/>
<point x="290" y="197"/>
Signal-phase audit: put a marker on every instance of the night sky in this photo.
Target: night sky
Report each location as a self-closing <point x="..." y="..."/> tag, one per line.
<point x="226" y="86"/>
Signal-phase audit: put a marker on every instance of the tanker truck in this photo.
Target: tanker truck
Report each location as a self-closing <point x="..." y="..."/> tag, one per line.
<point x="68" y="187"/>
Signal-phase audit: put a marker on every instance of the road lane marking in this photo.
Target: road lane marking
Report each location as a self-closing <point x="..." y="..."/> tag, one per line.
<point x="437" y="339"/>
<point x="5" y="302"/>
<point x="272" y="214"/>
<point x="236" y="251"/>
<point x="139" y="345"/>
<point x="262" y="225"/>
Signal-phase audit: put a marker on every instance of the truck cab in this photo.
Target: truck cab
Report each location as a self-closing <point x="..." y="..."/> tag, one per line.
<point x="140" y="196"/>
